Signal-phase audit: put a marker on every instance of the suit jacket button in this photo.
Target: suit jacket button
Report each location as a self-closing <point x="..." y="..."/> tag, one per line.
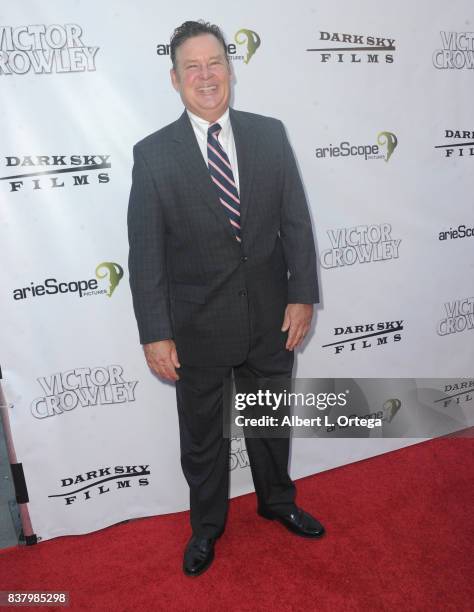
<point x="242" y="293"/>
<point x="243" y="259"/>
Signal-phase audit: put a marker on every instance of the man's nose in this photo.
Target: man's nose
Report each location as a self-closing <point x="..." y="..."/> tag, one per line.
<point x="205" y="72"/>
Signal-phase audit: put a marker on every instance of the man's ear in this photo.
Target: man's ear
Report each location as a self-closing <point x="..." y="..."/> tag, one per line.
<point x="174" y="78"/>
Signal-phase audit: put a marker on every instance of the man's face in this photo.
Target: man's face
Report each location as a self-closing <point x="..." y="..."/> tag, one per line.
<point x="202" y="76"/>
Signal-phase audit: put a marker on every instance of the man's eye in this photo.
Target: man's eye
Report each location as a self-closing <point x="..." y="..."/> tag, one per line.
<point x="191" y="66"/>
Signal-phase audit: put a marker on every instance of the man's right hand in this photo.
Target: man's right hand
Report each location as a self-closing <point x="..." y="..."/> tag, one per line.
<point x="162" y="358"/>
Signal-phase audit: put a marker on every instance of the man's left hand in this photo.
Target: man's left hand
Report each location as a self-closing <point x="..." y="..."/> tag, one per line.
<point x="298" y="321"/>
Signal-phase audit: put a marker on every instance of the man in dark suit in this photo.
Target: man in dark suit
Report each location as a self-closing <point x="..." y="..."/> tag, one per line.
<point x="223" y="277"/>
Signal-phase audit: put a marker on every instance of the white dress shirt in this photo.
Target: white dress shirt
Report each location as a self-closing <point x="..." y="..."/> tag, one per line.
<point x="226" y="139"/>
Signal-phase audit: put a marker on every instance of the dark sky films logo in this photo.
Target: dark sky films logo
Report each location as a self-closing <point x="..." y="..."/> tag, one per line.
<point x="103" y="480"/>
<point x="46" y="171"/>
<point x="459" y="317"/>
<point x="246" y="42"/>
<point x="457" y="393"/>
<point x="457" y="51"/>
<point x="360" y="244"/>
<point x="43" y="49"/>
<point x="461" y="145"/>
<point x="354" y="48"/>
<point x="383" y="149"/>
<point x="453" y="234"/>
<point x="82" y="387"/>
<point x="369" y="335"/>
<point x="108" y="271"/>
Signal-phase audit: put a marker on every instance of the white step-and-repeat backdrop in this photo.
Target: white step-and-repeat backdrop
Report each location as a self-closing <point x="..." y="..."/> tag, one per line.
<point x="376" y="97"/>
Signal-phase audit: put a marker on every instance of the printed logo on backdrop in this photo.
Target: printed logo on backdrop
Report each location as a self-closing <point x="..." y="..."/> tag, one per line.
<point x="382" y="149"/>
<point x="457" y="394"/>
<point x="37" y="172"/>
<point x="246" y="42"/>
<point x="101" y="481"/>
<point x="461" y="231"/>
<point x="238" y="454"/>
<point x="80" y="388"/>
<point x="339" y="47"/>
<point x="354" y="338"/>
<point x="458" y="317"/>
<point x="456" y="52"/>
<point x="360" y="244"/>
<point x="461" y="143"/>
<point x="384" y="415"/>
<point x="45" y="49"/>
<point x="108" y="276"/>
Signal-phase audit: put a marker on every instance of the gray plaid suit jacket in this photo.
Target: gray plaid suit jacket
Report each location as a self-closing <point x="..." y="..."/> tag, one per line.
<point x="191" y="280"/>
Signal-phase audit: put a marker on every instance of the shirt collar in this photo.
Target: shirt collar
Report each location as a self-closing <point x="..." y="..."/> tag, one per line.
<point x="201" y="125"/>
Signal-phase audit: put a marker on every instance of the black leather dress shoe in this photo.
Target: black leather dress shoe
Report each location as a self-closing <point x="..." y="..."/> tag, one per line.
<point x="299" y="522"/>
<point x="198" y="556"/>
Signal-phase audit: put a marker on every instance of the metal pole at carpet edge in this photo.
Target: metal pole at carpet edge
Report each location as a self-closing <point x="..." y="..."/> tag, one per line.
<point x="19" y="483"/>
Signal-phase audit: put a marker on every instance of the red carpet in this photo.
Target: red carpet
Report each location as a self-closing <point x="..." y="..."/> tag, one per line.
<point x="399" y="536"/>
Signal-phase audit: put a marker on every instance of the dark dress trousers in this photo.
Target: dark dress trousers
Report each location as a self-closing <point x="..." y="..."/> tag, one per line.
<point x="221" y="301"/>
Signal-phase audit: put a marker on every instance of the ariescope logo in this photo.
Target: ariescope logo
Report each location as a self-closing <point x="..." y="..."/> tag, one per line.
<point x="383" y="149"/>
<point x="354" y="48"/>
<point x="457" y="51"/>
<point x="351" y="338"/>
<point x="360" y="244"/>
<point x="48" y="171"/>
<point x="459" y="317"/>
<point x="108" y="271"/>
<point x="249" y="41"/>
<point x="246" y="42"/>
<point x="462" y="231"/>
<point x="44" y="49"/>
<point x="81" y="387"/>
<point x="385" y="414"/>
<point x="461" y="144"/>
<point x="102" y="481"/>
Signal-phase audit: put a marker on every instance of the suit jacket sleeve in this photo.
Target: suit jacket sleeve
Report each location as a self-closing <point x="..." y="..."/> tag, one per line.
<point x="296" y="233"/>
<point x="147" y="255"/>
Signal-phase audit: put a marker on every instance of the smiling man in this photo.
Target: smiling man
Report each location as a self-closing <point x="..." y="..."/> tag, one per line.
<point x="223" y="277"/>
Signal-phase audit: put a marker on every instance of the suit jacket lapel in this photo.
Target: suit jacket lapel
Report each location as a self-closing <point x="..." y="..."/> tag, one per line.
<point x="245" y="141"/>
<point x="190" y="157"/>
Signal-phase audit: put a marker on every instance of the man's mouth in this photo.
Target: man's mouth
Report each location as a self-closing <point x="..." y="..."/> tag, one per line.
<point x="207" y="89"/>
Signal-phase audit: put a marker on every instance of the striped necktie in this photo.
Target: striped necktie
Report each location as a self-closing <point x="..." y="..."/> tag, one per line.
<point x="223" y="178"/>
